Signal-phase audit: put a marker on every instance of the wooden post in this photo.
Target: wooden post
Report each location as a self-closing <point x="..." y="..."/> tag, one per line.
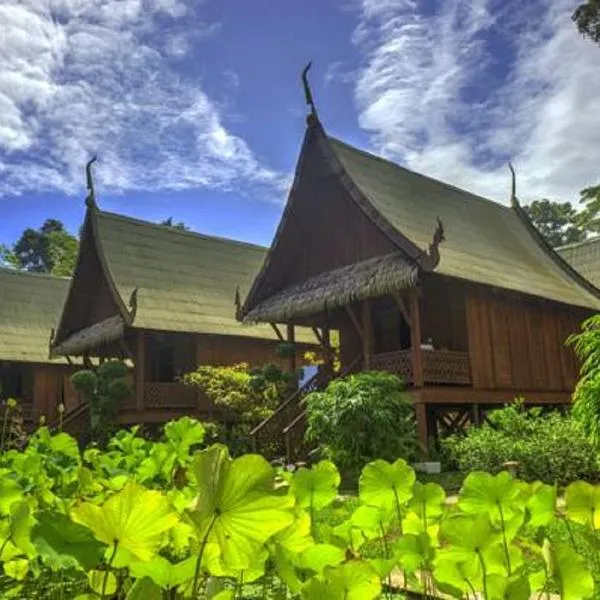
<point x="291" y="338"/>
<point x="140" y="360"/>
<point x="415" y="340"/>
<point x="328" y="350"/>
<point x="422" y="428"/>
<point x="476" y="415"/>
<point x="367" y="326"/>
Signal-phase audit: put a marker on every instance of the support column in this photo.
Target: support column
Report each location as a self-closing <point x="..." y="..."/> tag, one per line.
<point x="415" y="340"/>
<point x="140" y="361"/>
<point x="291" y="338"/>
<point x="422" y="428"/>
<point x="327" y="350"/>
<point x="367" y="327"/>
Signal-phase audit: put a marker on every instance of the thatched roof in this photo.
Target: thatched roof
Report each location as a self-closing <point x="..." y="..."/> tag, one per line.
<point x="30" y="304"/>
<point x="370" y="278"/>
<point x="584" y="257"/>
<point x="99" y="334"/>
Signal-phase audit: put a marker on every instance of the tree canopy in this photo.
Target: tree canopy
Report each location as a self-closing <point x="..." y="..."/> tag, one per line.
<point x="587" y="19"/>
<point x="170" y="223"/>
<point x="558" y="222"/>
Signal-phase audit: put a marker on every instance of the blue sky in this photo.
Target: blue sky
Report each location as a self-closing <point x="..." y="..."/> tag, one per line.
<point x="195" y="109"/>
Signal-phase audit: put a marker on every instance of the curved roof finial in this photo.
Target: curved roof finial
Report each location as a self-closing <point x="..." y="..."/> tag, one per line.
<point x="90" y="201"/>
<point x="513" y="190"/>
<point x="308" y="93"/>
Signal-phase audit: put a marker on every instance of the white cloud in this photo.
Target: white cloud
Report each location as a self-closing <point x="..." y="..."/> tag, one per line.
<point x="93" y="78"/>
<point x="434" y="96"/>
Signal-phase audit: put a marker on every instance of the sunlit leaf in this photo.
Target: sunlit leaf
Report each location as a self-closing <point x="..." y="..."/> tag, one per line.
<point x="571" y="573"/>
<point x="97" y="579"/>
<point x="372" y="521"/>
<point x="386" y="485"/>
<point x="413" y="552"/>
<point x="319" y="556"/>
<point x="316" y="487"/>
<point x="541" y="505"/>
<point x="164" y="573"/>
<point x="355" y="580"/>
<point x="16" y="569"/>
<point x="501" y="587"/>
<point x="144" y="589"/>
<point x="134" y="519"/>
<point x="583" y="503"/>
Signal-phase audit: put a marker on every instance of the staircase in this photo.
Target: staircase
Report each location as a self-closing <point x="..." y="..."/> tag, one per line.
<point x="282" y="434"/>
<point x="76" y="423"/>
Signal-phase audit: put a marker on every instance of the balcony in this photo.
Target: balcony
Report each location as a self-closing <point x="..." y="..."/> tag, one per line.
<point x="440" y="367"/>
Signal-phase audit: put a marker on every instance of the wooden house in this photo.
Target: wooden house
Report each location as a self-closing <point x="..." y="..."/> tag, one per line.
<point x="584" y="257"/>
<point x="30" y="305"/>
<point x="164" y="299"/>
<point x="457" y="294"/>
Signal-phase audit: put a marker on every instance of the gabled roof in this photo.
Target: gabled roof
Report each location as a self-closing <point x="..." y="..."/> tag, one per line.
<point x="485" y="242"/>
<point x="167" y="279"/>
<point x="584" y="257"/>
<point x="482" y="241"/>
<point x="30" y="305"/>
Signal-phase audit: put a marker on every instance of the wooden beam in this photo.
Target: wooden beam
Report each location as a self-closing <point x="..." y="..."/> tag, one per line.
<point x="415" y="340"/>
<point x="318" y="336"/>
<point x="140" y="360"/>
<point x="450" y="395"/>
<point x="355" y="322"/>
<point x="402" y="306"/>
<point x="291" y="338"/>
<point x="367" y="324"/>
<point x="422" y="429"/>
<point x="277" y="332"/>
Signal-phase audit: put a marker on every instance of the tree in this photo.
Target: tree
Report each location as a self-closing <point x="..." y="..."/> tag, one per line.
<point x="49" y="249"/>
<point x="7" y="257"/>
<point x="169" y="223"/>
<point x="558" y="222"/>
<point x="590" y="215"/>
<point x="587" y="19"/>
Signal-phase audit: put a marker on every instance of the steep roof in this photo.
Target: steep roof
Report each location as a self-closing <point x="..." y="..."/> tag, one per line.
<point x="584" y="257"/>
<point x="30" y="305"/>
<point x="183" y="281"/>
<point x="485" y="242"/>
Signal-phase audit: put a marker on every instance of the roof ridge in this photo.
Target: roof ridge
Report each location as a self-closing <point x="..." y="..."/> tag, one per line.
<point x="445" y="184"/>
<point x="175" y="231"/>
<point x="41" y="275"/>
<point x="593" y="239"/>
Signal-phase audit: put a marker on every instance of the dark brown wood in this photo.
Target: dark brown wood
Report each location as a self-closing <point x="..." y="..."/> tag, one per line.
<point x="291" y="338"/>
<point x="357" y="324"/>
<point x="457" y="395"/>
<point x="277" y="332"/>
<point x="140" y="363"/>
<point x="318" y="335"/>
<point x="415" y="340"/>
<point x="402" y="307"/>
<point x="422" y="428"/>
<point x="367" y="327"/>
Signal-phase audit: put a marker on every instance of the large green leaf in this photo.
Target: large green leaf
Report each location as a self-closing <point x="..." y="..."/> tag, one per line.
<point x="17" y="528"/>
<point x="386" y="485"/>
<point x="583" y="503"/>
<point x="144" y="589"/>
<point x="414" y="552"/>
<point x="501" y="587"/>
<point x="541" y="505"/>
<point x="316" y="558"/>
<point x="134" y="519"/>
<point x="63" y="544"/>
<point x="428" y="500"/>
<point x="355" y="580"/>
<point x="372" y="521"/>
<point x="317" y="487"/>
<point x="163" y="573"/>
<point x="183" y="434"/>
<point x="238" y="508"/>
<point x="10" y="492"/>
<point x="571" y="573"/>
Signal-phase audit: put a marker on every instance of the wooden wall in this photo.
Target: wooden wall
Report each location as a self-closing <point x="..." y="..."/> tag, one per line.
<point x="323" y="229"/>
<point x="517" y="342"/>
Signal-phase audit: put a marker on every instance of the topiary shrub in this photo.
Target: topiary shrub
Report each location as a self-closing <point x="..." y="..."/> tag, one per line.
<point x="547" y="447"/>
<point x="362" y="417"/>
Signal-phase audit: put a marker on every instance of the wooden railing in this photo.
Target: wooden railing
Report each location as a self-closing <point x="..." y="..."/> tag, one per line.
<point x="293" y="432"/>
<point x="439" y="366"/>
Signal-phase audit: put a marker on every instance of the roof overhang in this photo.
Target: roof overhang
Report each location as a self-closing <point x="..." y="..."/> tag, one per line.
<point x="86" y="340"/>
<point x="370" y="278"/>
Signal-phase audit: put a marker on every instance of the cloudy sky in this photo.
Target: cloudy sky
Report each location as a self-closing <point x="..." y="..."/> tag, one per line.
<point x="195" y="110"/>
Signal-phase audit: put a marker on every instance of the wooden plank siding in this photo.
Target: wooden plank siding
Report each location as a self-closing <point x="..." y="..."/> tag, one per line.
<point x="517" y="343"/>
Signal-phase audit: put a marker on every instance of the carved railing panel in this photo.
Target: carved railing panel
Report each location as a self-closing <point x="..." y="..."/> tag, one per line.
<point x="439" y="366"/>
<point x="446" y="366"/>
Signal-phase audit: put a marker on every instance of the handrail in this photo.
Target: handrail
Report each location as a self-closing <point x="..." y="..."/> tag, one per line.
<point x="72" y="414"/>
<point x="286" y="403"/>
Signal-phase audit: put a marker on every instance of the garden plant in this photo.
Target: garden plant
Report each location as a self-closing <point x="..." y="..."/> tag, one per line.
<point x="175" y="519"/>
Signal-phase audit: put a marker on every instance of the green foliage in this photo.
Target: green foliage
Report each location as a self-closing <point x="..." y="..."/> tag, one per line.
<point x="586" y="399"/>
<point x="49" y="249"/>
<point x="104" y="388"/>
<point x="587" y="19"/>
<point x="124" y="523"/>
<point x="362" y="417"/>
<point x="547" y="447"/>
<point x="170" y="223"/>
<point x="558" y="222"/>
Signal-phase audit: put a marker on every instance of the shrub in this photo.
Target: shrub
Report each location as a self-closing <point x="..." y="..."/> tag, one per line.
<point x="551" y="448"/>
<point x="360" y="418"/>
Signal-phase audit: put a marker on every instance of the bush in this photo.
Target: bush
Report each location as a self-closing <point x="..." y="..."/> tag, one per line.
<point x="360" y="418"/>
<point x="551" y="448"/>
